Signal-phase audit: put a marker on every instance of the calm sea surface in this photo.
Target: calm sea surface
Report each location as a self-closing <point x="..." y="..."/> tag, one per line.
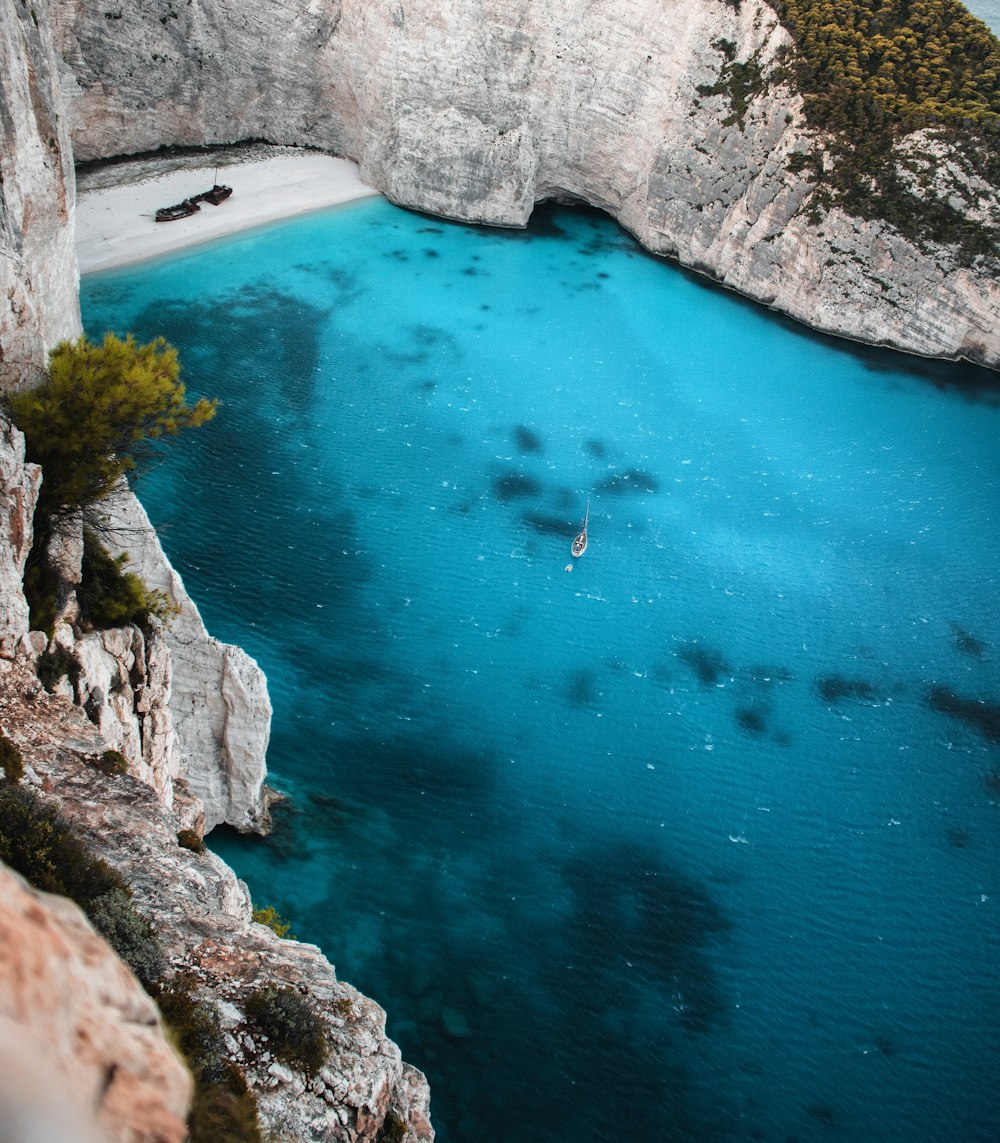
<point x="695" y="837"/>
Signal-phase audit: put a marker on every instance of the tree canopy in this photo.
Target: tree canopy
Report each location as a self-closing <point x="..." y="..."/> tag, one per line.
<point x="913" y="62"/>
<point x="99" y="411"/>
<point x="874" y="71"/>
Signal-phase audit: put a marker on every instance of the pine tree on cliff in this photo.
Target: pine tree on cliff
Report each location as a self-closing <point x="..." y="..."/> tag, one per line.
<point x="100" y="410"/>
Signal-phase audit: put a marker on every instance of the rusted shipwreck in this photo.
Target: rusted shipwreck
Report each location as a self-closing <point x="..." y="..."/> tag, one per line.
<point x="189" y="206"/>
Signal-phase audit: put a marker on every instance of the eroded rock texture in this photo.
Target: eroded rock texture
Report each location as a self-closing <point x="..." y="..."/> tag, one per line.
<point x="203" y="916"/>
<point x="218" y="703"/>
<point x="75" y="1024"/>
<point x="38" y="275"/>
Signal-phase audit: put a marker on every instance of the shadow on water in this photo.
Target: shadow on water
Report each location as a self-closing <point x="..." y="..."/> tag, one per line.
<point x="261" y="348"/>
<point x="971" y="382"/>
<point x="548" y="958"/>
<point x="232" y="335"/>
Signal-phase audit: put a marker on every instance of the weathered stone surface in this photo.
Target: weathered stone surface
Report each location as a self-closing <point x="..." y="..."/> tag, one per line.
<point x="124" y="689"/>
<point x="94" y="1033"/>
<point x="18" y="492"/>
<point x="38" y="275"/>
<point x="203" y="915"/>
<point x="220" y="710"/>
<point x="479" y="111"/>
<point x="72" y="1015"/>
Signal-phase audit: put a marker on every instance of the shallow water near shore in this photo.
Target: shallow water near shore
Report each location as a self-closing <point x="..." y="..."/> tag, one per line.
<point x="694" y="837"/>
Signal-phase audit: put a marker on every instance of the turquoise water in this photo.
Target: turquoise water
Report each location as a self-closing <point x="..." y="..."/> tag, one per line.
<point x="697" y="840"/>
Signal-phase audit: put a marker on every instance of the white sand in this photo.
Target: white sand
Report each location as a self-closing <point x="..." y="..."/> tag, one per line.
<point x="115" y="225"/>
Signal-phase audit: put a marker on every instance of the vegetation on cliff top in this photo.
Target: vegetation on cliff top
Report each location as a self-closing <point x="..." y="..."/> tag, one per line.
<point x="874" y="71"/>
<point x="100" y="411"/>
<point x="908" y="63"/>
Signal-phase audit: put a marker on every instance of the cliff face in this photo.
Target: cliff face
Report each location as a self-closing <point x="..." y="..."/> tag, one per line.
<point x="191" y="718"/>
<point x="203" y="916"/>
<point x="18" y="492"/>
<point x="38" y="276"/>
<point x="478" y="111"/>
<point x="178" y="704"/>
<point x="212" y="728"/>
<point x="71" y="1014"/>
<point x="218" y="702"/>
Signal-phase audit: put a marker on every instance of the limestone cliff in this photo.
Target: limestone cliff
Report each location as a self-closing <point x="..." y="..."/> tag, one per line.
<point x="203" y="917"/>
<point x="176" y="706"/>
<point x="18" y="493"/>
<point x="38" y="276"/>
<point x="212" y="728"/>
<point x="478" y="111"/>
<point x="74" y="1021"/>
<point x="219" y="706"/>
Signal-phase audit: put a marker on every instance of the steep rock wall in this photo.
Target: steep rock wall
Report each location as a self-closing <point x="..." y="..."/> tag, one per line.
<point x="203" y="916"/>
<point x="72" y="1015"/>
<point x="18" y="493"/>
<point x="219" y="705"/>
<point x="38" y="275"/>
<point x="192" y="707"/>
<point x="91" y="1025"/>
<point x="478" y="111"/>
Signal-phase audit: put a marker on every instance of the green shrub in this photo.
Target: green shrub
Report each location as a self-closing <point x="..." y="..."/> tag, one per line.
<point x="41" y="590"/>
<point x="109" y="596"/>
<point x="131" y="936"/>
<point x="190" y="839"/>
<point x="100" y="411"/>
<point x="111" y="762"/>
<point x="55" y="663"/>
<point x="40" y="844"/>
<point x="11" y="762"/>
<point x="37" y="842"/>
<point x="268" y="915"/>
<point x="393" y="1129"/>
<point x="295" y="1032"/>
<point x="223" y="1109"/>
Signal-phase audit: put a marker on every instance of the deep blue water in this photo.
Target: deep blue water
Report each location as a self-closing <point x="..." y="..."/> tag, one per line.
<point x="695" y="841"/>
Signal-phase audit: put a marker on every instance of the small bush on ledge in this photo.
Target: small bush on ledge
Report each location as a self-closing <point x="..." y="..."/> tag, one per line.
<point x="111" y="762"/>
<point x="109" y="596"/>
<point x="295" y="1031"/>
<point x="11" y="762"/>
<point x="224" y="1109"/>
<point x="393" y="1129"/>
<point x="41" y="845"/>
<point x="190" y="839"/>
<point x="56" y="663"/>
<point x="269" y="915"/>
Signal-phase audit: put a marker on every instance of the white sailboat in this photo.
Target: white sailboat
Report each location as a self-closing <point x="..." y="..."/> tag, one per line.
<point x="580" y="543"/>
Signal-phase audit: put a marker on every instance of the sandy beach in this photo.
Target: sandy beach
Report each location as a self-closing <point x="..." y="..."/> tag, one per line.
<point x="116" y="205"/>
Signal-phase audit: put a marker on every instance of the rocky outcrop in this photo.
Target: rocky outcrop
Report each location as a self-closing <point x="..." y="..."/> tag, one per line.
<point x="73" y="1020"/>
<point x="18" y="493"/>
<point x="218" y="703"/>
<point x="38" y="276"/>
<point x="478" y="112"/>
<point x="176" y="706"/>
<point x="203" y="916"/>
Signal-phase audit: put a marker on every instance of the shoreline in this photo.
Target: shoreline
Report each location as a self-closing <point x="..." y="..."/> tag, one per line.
<point x="115" y="223"/>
